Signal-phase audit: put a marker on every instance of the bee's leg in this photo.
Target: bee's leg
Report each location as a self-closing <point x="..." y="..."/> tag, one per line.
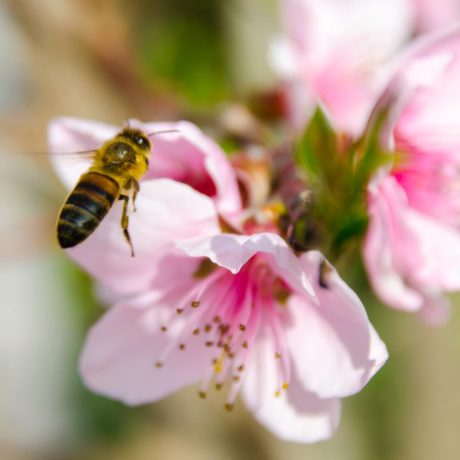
<point x="125" y="221"/>
<point x="132" y="185"/>
<point x="135" y="188"/>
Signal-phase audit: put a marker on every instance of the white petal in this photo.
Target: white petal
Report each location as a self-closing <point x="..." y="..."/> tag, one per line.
<point x="121" y="351"/>
<point x="233" y="251"/>
<point x="297" y="415"/>
<point x="334" y="347"/>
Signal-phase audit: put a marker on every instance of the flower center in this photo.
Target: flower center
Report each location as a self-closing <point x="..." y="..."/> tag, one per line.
<point x="228" y="313"/>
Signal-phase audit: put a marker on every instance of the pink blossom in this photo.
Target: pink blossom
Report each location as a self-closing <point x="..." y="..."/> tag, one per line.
<point x="335" y="53"/>
<point x="433" y="15"/>
<point x="259" y="323"/>
<point x="189" y="182"/>
<point x="412" y="248"/>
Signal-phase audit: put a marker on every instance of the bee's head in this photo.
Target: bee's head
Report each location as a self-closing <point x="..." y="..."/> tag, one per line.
<point x="139" y="138"/>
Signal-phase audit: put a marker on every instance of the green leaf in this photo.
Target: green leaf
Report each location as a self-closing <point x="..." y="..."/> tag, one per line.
<point x="317" y="145"/>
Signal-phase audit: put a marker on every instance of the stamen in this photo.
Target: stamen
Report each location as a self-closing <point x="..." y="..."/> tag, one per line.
<point x="196" y="331"/>
<point x="195" y="304"/>
<point x="229" y="407"/>
<point x="202" y="394"/>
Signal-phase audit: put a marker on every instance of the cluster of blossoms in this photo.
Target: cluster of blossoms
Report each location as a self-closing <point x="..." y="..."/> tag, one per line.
<point x="218" y="293"/>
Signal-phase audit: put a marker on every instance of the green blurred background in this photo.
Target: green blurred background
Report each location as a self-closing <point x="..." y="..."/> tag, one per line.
<point x="159" y="59"/>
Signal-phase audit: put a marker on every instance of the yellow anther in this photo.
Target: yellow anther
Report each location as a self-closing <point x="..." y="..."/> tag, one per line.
<point x="242" y="327"/>
<point x="218" y="366"/>
<point x="229" y="407"/>
<point x="207" y="328"/>
<point x="277" y="355"/>
<point x="285" y="386"/>
<point x="277" y="393"/>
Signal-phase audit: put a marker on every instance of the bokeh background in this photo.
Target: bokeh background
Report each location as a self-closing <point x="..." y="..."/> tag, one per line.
<point x="160" y="60"/>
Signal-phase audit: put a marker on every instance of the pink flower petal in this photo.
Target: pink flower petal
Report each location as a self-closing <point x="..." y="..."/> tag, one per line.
<point x="407" y="253"/>
<point x="434" y="15"/>
<point x="233" y="251"/>
<point x="167" y="211"/>
<point x="192" y="157"/>
<point x="338" y="51"/>
<point x="122" y="349"/>
<point x="296" y="415"/>
<point x="334" y="347"/>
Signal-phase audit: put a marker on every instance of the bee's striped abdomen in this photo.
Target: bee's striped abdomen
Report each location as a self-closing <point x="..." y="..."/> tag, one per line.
<point x="86" y="206"/>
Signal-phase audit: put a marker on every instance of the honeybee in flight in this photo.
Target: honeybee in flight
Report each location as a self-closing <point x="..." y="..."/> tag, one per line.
<point x="118" y="165"/>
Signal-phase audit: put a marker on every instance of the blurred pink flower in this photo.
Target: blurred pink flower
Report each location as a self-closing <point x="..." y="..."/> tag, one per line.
<point x="412" y="248"/>
<point x="334" y="53"/>
<point x="189" y="182"/>
<point x="260" y="320"/>
<point x="434" y="15"/>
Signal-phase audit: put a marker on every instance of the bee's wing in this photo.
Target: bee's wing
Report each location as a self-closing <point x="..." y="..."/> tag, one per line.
<point x="69" y="155"/>
<point x="69" y="166"/>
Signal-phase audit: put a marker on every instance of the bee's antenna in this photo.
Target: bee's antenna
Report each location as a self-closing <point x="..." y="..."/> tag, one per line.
<point x="163" y="132"/>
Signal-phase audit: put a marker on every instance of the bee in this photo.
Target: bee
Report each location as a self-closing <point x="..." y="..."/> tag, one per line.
<point x="117" y="167"/>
